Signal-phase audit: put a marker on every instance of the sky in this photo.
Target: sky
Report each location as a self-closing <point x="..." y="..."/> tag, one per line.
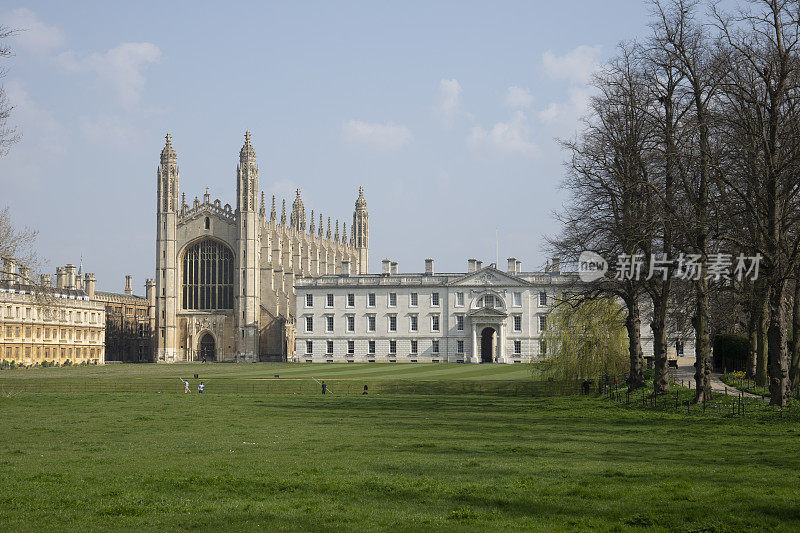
<point x="447" y="113"/>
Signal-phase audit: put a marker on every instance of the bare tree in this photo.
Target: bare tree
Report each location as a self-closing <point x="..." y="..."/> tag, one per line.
<point x="8" y="134"/>
<point x="608" y="211"/>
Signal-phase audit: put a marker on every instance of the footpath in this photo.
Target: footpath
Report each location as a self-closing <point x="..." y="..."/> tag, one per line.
<point x="685" y="372"/>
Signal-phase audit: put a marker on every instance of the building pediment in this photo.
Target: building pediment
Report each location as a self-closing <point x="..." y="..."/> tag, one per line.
<point x="487" y="312"/>
<point x="489" y="277"/>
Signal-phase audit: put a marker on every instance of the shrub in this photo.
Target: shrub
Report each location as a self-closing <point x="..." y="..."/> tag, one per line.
<point x="731" y="352"/>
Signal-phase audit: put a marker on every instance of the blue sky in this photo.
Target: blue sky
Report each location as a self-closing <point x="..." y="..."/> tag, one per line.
<point x="444" y="111"/>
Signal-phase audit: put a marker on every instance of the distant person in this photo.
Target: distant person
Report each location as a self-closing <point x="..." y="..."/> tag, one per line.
<point x="186" y="388"/>
<point x="201" y="388"/>
<point x="324" y="388"/>
<point x="365" y="390"/>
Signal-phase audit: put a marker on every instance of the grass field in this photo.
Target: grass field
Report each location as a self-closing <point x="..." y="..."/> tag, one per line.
<point x="89" y="461"/>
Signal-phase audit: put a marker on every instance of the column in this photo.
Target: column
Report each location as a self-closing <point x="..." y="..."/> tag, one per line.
<point x="474" y="355"/>
<point x="501" y="343"/>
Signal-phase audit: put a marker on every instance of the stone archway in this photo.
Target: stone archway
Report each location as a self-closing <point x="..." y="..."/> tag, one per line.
<point x="207" y="350"/>
<point x="488" y="345"/>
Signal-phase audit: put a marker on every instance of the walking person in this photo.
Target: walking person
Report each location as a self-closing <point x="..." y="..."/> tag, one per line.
<point x="324" y="388"/>
<point x="186" y="388"/>
<point x="201" y="388"/>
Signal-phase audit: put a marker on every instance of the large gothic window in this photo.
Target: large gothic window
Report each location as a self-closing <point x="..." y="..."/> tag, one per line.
<point x="208" y="276"/>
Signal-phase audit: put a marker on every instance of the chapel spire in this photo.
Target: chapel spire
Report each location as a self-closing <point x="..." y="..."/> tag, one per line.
<point x="297" y="219"/>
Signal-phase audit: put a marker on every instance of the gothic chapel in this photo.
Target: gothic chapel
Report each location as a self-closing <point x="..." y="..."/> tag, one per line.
<point x="225" y="277"/>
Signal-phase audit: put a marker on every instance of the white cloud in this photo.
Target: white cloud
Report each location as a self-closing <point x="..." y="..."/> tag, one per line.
<point x="505" y="138"/>
<point x="449" y="98"/>
<point x="568" y="112"/>
<point x="122" y="67"/>
<point x="518" y="97"/>
<point x="34" y="36"/>
<point x="384" y="137"/>
<point x="111" y="131"/>
<point x="575" y="66"/>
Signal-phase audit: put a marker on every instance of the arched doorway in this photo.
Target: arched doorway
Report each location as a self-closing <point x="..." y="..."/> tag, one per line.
<point x="488" y="336"/>
<point x="207" y="349"/>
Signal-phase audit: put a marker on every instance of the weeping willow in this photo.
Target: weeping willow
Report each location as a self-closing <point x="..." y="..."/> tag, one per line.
<point x="586" y="341"/>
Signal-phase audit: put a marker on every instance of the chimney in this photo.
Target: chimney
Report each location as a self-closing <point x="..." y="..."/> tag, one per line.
<point x="555" y="267"/>
<point x="345" y="268"/>
<point x="429" y="267"/>
<point x="471" y="265"/>
<point x="394" y="268"/>
<point x="387" y="267"/>
<point x="70" y="273"/>
<point x="61" y="277"/>
<point x="79" y="282"/>
<point x="519" y="266"/>
<point x="25" y="275"/>
<point x="478" y="265"/>
<point x="128" y="286"/>
<point x="512" y="265"/>
<point x="89" y="280"/>
<point x="44" y="280"/>
<point x="9" y="269"/>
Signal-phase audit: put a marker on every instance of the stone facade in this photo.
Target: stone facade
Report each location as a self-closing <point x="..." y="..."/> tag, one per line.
<point x="484" y="315"/>
<point x="129" y="323"/>
<point x="224" y="285"/>
<point x="41" y="323"/>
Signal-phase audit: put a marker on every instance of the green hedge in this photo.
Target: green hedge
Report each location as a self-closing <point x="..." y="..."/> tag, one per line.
<point x="730" y="352"/>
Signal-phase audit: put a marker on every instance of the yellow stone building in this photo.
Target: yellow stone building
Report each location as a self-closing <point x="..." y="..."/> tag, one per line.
<point x="39" y="322"/>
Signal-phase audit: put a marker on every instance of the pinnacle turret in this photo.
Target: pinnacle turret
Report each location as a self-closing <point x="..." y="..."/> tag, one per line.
<point x="168" y="154"/>
<point x="328" y="235"/>
<point x="262" y="211"/>
<point x="344" y="233"/>
<point x="283" y="213"/>
<point x="320" y="225"/>
<point x="273" y="215"/>
<point x="311" y="224"/>
<point x="297" y="220"/>
<point x="247" y="152"/>
<point x="336" y="235"/>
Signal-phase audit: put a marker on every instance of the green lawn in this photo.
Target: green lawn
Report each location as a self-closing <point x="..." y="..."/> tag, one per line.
<point x="386" y="462"/>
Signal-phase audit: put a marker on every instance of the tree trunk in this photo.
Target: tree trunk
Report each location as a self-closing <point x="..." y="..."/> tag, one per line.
<point x="702" y="363"/>
<point x="794" y="367"/>
<point x="752" y="338"/>
<point x="776" y="340"/>
<point x="761" y="339"/>
<point x="633" y="325"/>
<point x="658" y="325"/>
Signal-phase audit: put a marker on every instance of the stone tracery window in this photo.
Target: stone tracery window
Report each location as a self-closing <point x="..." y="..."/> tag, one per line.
<point x="208" y="276"/>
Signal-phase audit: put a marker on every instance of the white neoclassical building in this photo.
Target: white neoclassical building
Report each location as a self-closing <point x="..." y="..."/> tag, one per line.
<point x="482" y="316"/>
<point x="485" y="315"/>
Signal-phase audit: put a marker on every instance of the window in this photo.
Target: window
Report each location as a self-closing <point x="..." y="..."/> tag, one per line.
<point x="435" y="323"/>
<point x="309" y="300"/>
<point x="542" y="322"/>
<point x="351" y="300"/>
<point x="392" y="322"/>
<point x="460" y="322"/>
<point x="371" y="323"/>
<point x="392" y="347"/>
<point x="351" y="324"/>
<point x="435" y="346"/>
<point x="542" y="299"/>
<point x="542" y="347"/>
<point x="371" y="347"/>
<point x="351" y="347"/>
<point x="392" y="299"/>
<point x="414" y="346"/>
<point x="488" y="300"/>
<point x="414" y="299"/>
<point x="460" y="347"/>
<point x="329" y="323"/>
<point x="208" y="223"/>
<point x="371" y="299"/>
<point x="435" y="299"/>
<point x="517" y="347"/>
<point x="459" y="299"/>
<point x="517" y="301"/>
<point x="309" y="347"/>
<point x="208" y="276"/>
<point x="329" y="301"/>
<point x="329" y="348"/>
<point x="517" y="322"/>
<point x="414" y="323"/>
<point x="309" y="324"/>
